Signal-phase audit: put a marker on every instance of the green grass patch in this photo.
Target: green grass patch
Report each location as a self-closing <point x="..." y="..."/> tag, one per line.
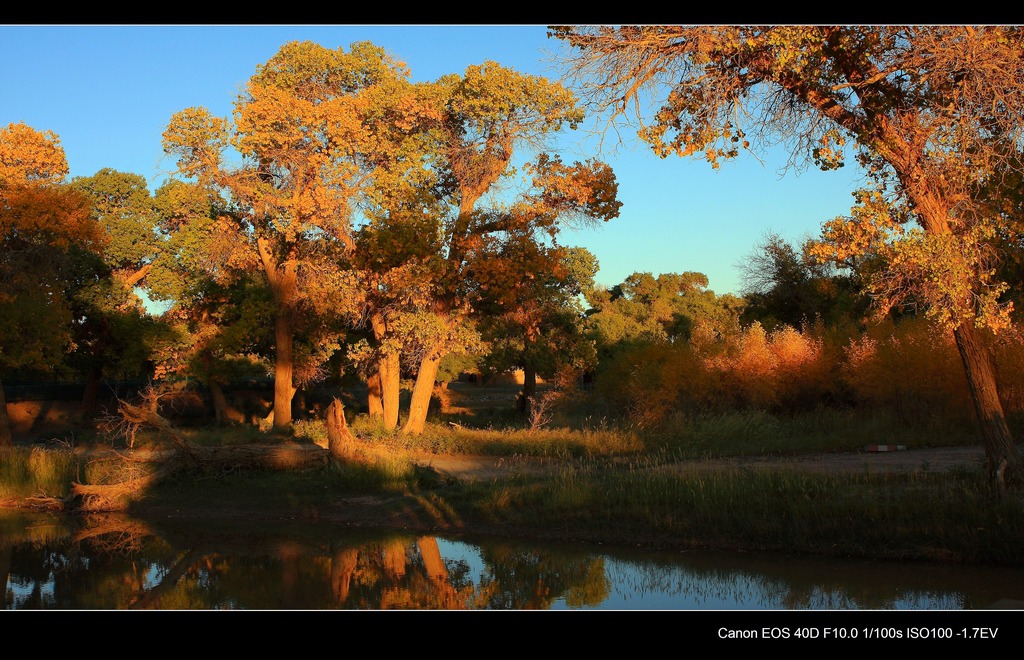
<point x="825" y="430"/>
<point x="36" y="472"/>
<point x="619" y="488"/>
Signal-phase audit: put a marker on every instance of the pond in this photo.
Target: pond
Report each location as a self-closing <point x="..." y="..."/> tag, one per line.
<point x="116" y="562"/>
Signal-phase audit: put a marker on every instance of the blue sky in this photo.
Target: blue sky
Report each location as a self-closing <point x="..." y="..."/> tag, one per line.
<point x="109" y="91"/>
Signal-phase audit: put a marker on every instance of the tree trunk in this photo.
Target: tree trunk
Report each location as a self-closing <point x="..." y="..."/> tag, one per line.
<point x="432" y="561"/>
<point x="90" y="398"/>
<point x="1001" y="455"/>
<point x="283" y="363"/>
<point x="220" y="402"/>
<point x="5" y="422"/>
<point x="421" y="392"/>
<point x="343" y="566"/>
<point x="391" y="389"/>
<point x="1002" y="458"/>
<point x="394" y="559"/>
<point x="374" y="395"/>
<point x="529" y="388"/>
<point x="389" y="371"/>
<point x="283" y="280"/>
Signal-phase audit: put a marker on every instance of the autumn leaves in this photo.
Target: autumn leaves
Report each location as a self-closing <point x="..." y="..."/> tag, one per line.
<point x="357" y="194"/>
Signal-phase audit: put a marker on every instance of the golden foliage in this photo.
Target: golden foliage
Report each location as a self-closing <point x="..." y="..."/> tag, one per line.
<point x="911" y="368"/>
<point x="29" y="156"/>
<point x="786" y="369"/>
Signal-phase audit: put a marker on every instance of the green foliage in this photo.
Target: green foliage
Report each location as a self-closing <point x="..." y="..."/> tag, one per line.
<point x="452" y="365"/>
<point x="784" y="285"/>
<point x="668" y="308"/>
<point x="46" y="234"/>
<point x="538" y="322"/>
<point x="124" y="211"/>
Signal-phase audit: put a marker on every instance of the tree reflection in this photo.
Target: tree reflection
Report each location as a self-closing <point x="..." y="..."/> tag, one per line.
<point x="116" y="562"/>
<point x="522" y="579"/>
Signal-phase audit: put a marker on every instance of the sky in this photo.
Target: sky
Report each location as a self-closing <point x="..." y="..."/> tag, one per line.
<point x="108" y="92"/>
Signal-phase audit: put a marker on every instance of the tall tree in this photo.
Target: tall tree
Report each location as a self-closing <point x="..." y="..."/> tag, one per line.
<point x="43" y="224"/>
<point x="219" y="318"/>
<point x="933" y="113"/>
<point x="110" y="333"/>
<point x="438" y="234"/>
<point x="487" y="114"/>
<point x="534" y="320"/>
<point x="311" y="127"/>
<point x="398" y="253"/>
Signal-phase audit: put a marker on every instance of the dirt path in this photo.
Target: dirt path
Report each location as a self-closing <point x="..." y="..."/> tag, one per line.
<point x="935" y="460"/>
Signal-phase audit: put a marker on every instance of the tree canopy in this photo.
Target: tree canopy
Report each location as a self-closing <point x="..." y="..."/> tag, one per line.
<point x="312" y="128"/>
<point x="932" y="114"/>
<point x="43" y="224"/>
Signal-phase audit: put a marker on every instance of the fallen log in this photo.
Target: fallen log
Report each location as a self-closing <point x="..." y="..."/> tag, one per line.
<point x="185" y="455"/>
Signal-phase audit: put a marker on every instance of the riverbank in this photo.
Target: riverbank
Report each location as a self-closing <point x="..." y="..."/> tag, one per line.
<point x="898" y="507"/>
<point x="922" y="503"/>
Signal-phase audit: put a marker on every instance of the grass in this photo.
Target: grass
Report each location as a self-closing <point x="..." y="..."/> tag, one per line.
<point x="919" y="516"/>
<point x="35" y="472"/>
<point x="614" y="490"/>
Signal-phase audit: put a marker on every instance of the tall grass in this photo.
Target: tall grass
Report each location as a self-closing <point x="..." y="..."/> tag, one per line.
<point x="616" y="491"/>
<point x="950" y="516"/>
<point x="823" y="430"/>
<point x="35" y="472"/>
<point x="448" y="439"/>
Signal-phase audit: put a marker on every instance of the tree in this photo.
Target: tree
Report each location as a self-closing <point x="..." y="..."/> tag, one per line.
<point x="663" y="309"/>
<point x="933" y="113"/>
<point x="490" y="257"/>
<point x="218" y="317"/>
<point x="532" y="316"/>
<point x="112" y="328"/>
<point x="312" y="127"/>
<point x="397" y="257"/>
<point x="474" y="133"/>
<point x="787" y="285"/>
<point x="43" y="224"/>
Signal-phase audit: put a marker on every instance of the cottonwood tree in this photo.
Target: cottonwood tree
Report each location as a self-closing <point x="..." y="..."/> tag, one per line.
<point x="311" y="128"/>
<point x="113" y="327"/>
<point x="397" y="257"/>
<point x="933" y="114"/>
<point x="534" y="320"/>
<point x="478" y="269"/>
<point x="217" y="318"/>
<point x="478" y="127"/>
<point x="504" y="251"/>
<point x="42" y="224"/>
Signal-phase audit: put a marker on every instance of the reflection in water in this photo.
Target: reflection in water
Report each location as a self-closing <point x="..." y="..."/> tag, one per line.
<point x="115" y="562"/>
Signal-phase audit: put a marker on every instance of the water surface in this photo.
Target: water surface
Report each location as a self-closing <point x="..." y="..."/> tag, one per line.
<point x="117" y="562"/>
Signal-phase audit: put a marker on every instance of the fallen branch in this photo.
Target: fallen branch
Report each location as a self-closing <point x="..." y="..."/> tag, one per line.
<point x="340" y="441"/>
<point x="185" y="455"/>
